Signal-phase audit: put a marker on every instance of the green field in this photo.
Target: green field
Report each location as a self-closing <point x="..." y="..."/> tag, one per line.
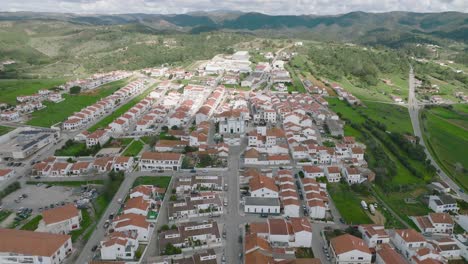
<point x="11" y="88"/>
<point x="120" y="111"/>
<point x="135" y="147"/>
<point x="348" y="203"/>
<point x="32" y="224"/>
<point x="4" y="130"/>
<point x="446" y="135"/>
<point x="160" y="181"/>
<point x="55" y="113"/>
<point x="404" y="184"/>
<point x="396" y="118"/>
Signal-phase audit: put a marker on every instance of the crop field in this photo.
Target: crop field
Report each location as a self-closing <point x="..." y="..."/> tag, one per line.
<point x="58" y="112"/>
<point x="11" y="88"/>
<point x="447" y="138"/>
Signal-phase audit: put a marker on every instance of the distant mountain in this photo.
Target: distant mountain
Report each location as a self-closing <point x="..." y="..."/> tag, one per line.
<point x="391" y="29"/>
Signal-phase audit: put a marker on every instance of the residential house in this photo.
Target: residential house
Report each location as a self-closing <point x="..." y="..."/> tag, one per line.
<point x="119" y="245"/>
<point x="60" y="220"/>
<point x="160" y="161"/>
<point x="133" y="223"/>
<point x="407" y="241"/>
<point x="440" y="223"/>
<point x="123" y="163"/>
<point x="34" y="247"/>
<point x="374" y="235"/>
<point x="347" y="249"/>
<point x="332" y="173"/>
<point x="6" y="173"/>
<point x="443" y="203"/>
<point x="388" y="255"/>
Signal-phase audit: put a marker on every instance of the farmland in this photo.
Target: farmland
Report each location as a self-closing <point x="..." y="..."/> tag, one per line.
<point x="58" y="112"/>
<point x="11" y="88"/>
<point x="447" y="138"/>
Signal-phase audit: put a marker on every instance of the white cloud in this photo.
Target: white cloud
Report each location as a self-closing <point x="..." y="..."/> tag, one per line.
<point x="292" y="7"/>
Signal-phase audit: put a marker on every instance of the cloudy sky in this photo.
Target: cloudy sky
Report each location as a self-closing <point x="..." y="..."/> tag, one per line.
<point x="295" y="7"/>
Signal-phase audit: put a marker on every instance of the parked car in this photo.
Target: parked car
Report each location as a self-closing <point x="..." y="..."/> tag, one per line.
<point x="263" y="215"/>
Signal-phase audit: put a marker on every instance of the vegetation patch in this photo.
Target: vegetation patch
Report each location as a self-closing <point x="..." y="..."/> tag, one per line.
<point x="134" y="149"/>
<point x="32" y="224"/>
<point x="77" y="149"/>
<point x="160" y="181"/>
<point x="448" y="141"/>
<point x="58" y="112"/>
<point x="348" y="203"/>
<point x="11" y="88"/>
<point x="5" y="129"/>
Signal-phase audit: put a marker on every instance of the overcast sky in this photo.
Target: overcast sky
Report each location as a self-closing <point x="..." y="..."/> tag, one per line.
<point x="292" y="7"/>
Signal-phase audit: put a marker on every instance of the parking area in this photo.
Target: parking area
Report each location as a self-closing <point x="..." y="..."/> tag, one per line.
<point x="35" y="197"/>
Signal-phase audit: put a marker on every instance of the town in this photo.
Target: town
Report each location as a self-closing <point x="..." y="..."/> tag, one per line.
<point x="220" y="163"/>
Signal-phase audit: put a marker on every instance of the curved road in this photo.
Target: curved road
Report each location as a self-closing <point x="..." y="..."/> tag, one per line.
<point x="413" y="108"/>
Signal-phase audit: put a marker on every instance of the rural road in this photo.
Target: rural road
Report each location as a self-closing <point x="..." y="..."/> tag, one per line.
<point x="413" y="108"/>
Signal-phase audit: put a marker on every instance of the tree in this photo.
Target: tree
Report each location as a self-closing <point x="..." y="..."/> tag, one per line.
<point x="75" y="90"/>
<point x="171" y="249"/>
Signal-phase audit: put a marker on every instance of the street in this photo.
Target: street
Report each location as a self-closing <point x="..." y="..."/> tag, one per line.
<point x="414" y="108"/>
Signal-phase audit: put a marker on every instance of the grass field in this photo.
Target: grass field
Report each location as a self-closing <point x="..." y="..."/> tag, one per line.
<point x="395" y="117"/>
<point x="120" y="111"/>
<point x="160" y="181"/>
<point x="135" y="147"/>
<point x="397" y="120"/>
<point x="72" y="150"/>
<point x="55" y="113"/>
<point x="11" y="88"/>
<point x="348" y="203"/>
<point x="447" y="138"/>
<point x="32" y="224"/>
<point x="5" y="129"/>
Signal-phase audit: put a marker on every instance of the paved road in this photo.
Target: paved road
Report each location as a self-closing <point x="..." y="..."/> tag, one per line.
<point x="414" y="108"/>
<point x="86" y="254"/>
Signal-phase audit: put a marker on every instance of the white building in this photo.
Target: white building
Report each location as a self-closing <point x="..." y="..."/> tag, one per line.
<point x="374" y="235"/>
<point x="408" y="241"/>
<point x="442" y="203"/>
<point x="19" y="246"/>
<point x="258" y="205"/>
<point x="119" y="245"/>
<point x="347" y="249"/>
<point x="160" y="161"/>
<point x="60" y="220"/>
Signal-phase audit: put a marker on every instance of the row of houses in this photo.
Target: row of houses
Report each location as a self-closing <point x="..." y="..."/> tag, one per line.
<point x="277" y="240"/>
<point x="91" y="113"/>
<point x="393" y="247"/>
<point x="345" y="95"/>
<point x="55" y="167"/>
<point x="96" y="80"/>
<point x="134" y="225"/>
